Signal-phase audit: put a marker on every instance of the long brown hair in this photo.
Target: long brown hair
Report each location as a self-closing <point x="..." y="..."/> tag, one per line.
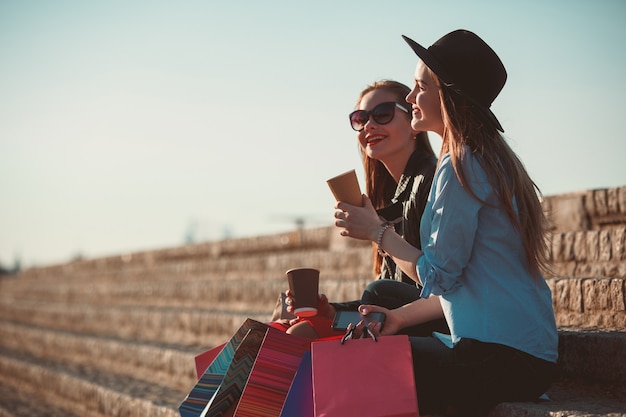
<point x="467" y="129"/>
<point x="380" y="186"/>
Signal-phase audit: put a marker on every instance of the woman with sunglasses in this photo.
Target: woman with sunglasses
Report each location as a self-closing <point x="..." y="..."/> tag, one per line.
<point x="483" y="244"/>
<point x="399" y="165"/>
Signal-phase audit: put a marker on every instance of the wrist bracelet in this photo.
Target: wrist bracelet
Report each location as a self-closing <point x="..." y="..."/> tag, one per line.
<point x="379" y="242"/>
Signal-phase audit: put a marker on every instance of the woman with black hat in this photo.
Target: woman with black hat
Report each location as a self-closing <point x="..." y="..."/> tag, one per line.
<point x="483" y="243"/>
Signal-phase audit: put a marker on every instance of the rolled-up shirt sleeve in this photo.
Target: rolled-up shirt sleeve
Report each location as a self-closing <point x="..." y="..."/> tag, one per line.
<point x="448" y="229"/>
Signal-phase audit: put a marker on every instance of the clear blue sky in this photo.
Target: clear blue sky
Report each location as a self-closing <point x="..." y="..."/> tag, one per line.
<point x="130" y="125"/>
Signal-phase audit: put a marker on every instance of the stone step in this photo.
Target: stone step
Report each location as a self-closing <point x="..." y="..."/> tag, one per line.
<point x="582" y="354"/>
<point x="593" y="355"/>
<point x="173" y="364"/>
<point x="583" y="303"/>
<point x="216" y="258"/>
<point x="588" y="355"/>
<point x="159" y="324"/>
<point x="234" y="294"/>
<point x="574" y="254"/>
<point x="586" y="253"/>
<point x="74" y="390"/>
<point x="18" y="402"/>
<point x="83" y="390"/>
<point x="570" y="398"/>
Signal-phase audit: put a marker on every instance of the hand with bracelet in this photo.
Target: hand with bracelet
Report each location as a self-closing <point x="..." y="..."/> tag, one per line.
<point x="365" y="224"/>
<point x="358" y="222"/>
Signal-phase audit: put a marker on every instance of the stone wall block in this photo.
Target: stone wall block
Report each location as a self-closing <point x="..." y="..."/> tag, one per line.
<point x="603" y="288"/>
<point x="600" y="202"/>
<point x="613" y="269"/>
<point x="589" y="294"/>
<point x="618" y="298"/>
<point x="568" y="295"/>
<point x="604" y="248"/>
<point x="594" y="269"/>
<point x="612" y="200"/>
<point x="618" y="240"/>
<point x="593" y="245"/>
<point x="589" y="203"/>
<point x="576" y="298"/>
<point x="596" y="295"/>
<point x="556" y="242"/>
<point x="567" y="212"/>
<point x="580" y="246"/>
<point x="567" y="246"/>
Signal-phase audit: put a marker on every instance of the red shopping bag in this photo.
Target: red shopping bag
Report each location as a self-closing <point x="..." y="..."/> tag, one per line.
<point x="364" y="378"/>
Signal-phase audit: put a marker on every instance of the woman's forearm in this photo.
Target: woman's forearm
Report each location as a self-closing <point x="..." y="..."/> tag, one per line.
<point x="403" y="253"/>
<point x="420" y="311"/>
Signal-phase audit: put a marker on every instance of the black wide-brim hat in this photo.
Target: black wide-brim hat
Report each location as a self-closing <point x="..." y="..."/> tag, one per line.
<point x="466" y="64"/>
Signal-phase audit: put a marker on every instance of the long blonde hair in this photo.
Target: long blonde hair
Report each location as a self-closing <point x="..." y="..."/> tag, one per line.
<point x="467" y="128"/>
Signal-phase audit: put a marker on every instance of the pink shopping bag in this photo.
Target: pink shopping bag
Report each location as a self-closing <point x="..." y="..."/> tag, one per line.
<point x="364" y="378"/>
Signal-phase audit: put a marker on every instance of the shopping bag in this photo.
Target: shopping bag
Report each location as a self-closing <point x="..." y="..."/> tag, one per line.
<point x="364" y="378"/>
<point x="229" y="390"/>
<point x="272" y="374"/>
<point x="213" y="375"/>
<point x="299" y="401"/>
<point x="204" y="359"/>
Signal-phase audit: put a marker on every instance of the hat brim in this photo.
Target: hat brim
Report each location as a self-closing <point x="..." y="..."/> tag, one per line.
<point x="428" y="59"/>
<point x="435" y="66"/>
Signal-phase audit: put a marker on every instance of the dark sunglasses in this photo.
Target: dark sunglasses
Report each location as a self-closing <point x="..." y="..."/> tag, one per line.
<point x="382" y="114"/>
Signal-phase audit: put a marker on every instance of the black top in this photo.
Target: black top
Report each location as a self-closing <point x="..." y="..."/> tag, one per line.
<point x="406" y="210"/>
<point x="407" y="207"/>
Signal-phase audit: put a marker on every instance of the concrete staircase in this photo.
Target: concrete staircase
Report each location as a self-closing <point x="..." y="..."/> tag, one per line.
<point x="117" y="336"/>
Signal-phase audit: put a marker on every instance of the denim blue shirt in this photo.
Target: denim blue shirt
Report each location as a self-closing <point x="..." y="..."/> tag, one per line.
<point x="475" y="262"/>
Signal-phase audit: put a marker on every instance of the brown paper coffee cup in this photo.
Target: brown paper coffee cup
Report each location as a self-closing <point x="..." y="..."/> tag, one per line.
<point x="304" y="287"/>
<point x="345" y="187"/>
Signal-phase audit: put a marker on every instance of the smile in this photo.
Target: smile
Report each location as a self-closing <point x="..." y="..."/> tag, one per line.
<point x="374" y="140"/>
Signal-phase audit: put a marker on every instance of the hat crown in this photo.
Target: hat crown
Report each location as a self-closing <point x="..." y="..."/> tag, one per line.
<point x="469" y="66"/>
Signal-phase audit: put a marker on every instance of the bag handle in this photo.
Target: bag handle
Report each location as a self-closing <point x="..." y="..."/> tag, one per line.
<point x="350" y="333"/>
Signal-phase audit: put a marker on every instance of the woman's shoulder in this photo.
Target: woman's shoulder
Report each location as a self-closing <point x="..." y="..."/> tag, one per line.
<point x="471" y="166"/>
<point x="469" y="162"/>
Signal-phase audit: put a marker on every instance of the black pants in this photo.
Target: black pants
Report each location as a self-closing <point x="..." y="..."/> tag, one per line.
<point x="474" y="376"/>
<point x="393" y="294"/>
<point x="471" y="377"/>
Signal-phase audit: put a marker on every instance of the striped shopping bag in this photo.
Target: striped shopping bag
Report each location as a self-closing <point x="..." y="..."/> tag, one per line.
<point x="210" y="380"/>
<point x="271" y="376"/>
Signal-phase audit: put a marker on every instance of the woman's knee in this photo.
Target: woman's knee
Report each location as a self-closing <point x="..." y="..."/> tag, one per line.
<point x="389" y="293"/>
<point x="303" y="329"/>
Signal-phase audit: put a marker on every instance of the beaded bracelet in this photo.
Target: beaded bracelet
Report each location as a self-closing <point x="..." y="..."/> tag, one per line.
<point x="383" y="227"/>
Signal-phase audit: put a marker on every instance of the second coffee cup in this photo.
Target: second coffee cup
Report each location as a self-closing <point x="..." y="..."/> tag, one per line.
<point x="345" y="187"/>
<point x="304" y="287"/>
